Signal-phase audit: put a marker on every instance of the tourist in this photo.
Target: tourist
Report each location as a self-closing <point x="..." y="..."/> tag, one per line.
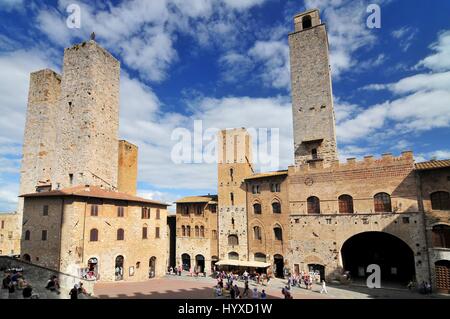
<point x="428" y="289"/>
<point x="219" y="291"/>
<point x="6" y="281"/>
<point x="255" y="293"/>
<point x="324" y="287"/>
<point x="74" y="292"/>
<point x="11" y="288"/>
<point x="232" y="292"/>
<point x="263" y="294"/>
<point x="238" y="292"/>
<point x="246" y="290"/>
<point x="53" y="284"/>
<point x="81" y="290"/>
<point x="27" y="292"/>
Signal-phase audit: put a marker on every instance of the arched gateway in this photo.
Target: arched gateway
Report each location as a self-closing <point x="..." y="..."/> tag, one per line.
<point x="393" y="255"/>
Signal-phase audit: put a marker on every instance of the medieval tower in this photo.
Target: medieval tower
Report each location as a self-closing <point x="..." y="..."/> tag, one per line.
<point x="235" y="164"/>
<point x="312" y="96"/>
<point x="88" y="121"/>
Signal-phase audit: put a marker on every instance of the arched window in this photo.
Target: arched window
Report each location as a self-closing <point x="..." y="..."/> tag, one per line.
<point x="183" y="230"/>
<point x="27" y="235"/>
<point x="197" y="231"/>
<point x="188" y="231"/>
<point x="93" y="236"/>
<point x="145" y="232"/>
<point x="260" y="257"/>
<point x="120" y="234"/>
<point x="440" y="201"/>
<point x="382" y="202"/>
<point x="257" y="208"/>
<point x="233" y="256"/>
<point x="306" y="22"/>
<point x="278" y="233"/>
<point x="441" y="236"/>
<point x="233" y="240"/>
<point x="276" y="208"/>
<point x="202" y="231"/>
<point x="313" y="205"/>
<point x="345" y="204"/>
<point x="257" y="233"/>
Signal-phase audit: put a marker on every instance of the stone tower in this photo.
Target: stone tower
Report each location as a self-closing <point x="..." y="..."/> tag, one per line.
<point x="128" y="167"/>
<point x="312" y="96"/>
<point x="234" y="164"/>
<point x="38" y="152"/>
<point x="88" y="119"/>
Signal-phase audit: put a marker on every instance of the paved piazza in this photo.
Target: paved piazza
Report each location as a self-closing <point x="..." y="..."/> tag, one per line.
<point x="173" y="287"/>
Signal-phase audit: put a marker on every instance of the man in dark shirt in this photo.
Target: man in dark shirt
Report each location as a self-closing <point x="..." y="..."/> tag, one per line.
<point x="27" y="292"/>
<point x="74" y="293"/>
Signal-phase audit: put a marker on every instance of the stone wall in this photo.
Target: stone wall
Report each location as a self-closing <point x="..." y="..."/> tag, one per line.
<point x="10" y="233"/>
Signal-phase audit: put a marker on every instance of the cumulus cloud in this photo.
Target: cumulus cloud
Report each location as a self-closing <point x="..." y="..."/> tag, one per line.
<point x="440" y="60"/>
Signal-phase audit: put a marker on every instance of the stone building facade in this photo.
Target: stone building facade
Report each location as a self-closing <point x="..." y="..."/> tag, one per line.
<point x="196" y="233"/>
<point x="91" y="232"/>
<point x="325" y="216"/>
<point x="79" y="210"/>
<point x="9" y="234"/>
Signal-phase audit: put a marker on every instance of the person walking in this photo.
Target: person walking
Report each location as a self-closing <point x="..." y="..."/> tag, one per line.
<point x="255" y="293"/>
<point x="246" y="290"/>
<point x="324" y="288"/>
<point x="263" y="294"/>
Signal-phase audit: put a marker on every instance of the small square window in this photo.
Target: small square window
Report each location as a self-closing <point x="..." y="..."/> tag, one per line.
<point x="405" y="220"/>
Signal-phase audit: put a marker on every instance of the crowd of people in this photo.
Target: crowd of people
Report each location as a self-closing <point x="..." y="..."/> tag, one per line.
<point x="227" y="288"/>
<point x="15" y="281"/>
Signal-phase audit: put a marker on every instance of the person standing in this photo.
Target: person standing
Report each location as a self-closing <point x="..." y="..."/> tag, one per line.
<point x="246" y="289"/>
<point x="255" y="293"/>
<point x="74" y="292"/>
<point x="263" y="294"/>
<point x="27" y="292"/>
<point x="324" y="288"/>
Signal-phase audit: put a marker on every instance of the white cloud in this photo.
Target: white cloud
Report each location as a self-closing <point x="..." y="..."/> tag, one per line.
<point x="8" y="196"/>
<point x="440" y="60"/>
<point x="9" y="5"/>
<point x="274" y="55"/>
<point x="405" y="36"/>
<point x="437" y="155"/>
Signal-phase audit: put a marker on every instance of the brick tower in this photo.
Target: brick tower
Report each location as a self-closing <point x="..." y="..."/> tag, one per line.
<point x="235" y="163"/>
<point x="312" y="96"/>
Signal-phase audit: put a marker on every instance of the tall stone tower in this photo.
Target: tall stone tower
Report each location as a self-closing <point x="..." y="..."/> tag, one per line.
<point x="235" y="163"/>
<point x="88" y="119"/>
<point x="312" y="96"/>
<point x="128" y="167"/>
<point x="38" y="152"/>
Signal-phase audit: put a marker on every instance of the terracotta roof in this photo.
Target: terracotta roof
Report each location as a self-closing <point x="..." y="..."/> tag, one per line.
<point x="433" y="164"/>
<point x="93" y="192"/>
<point x="268" y="174"/>
<point x="211" y="199"/>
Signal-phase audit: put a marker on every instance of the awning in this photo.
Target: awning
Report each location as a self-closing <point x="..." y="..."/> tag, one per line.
<point x="240" y="263"/>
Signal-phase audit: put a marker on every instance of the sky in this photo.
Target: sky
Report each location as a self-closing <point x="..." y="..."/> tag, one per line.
<point x="226" y="63"/>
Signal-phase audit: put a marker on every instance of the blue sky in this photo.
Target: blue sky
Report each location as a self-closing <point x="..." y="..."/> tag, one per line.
<point x="226" y="62"/>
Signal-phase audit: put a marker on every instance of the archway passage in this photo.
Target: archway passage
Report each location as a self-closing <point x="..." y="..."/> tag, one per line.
<point x="442" y="271"/>
<point x="152" y="267"/>
<point x="393" y="255"/>
<point x="118" y="269"/>
<point x="315" y="268"/>
<point x="199" y="263"/>
<point x="186" y="261"/>
<point x="279" y="266"/>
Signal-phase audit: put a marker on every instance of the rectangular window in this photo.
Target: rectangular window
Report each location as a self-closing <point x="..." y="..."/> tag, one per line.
<point x="213" y="208"/>
<point x="232" y="199"/>
<point x="185" y="210"/>
<point x="158" y="214"/>
<point x="45" y="210"/>
<point x="157" y="232"/>
<point x="328" y="221"/>
<point x="120" y="211"/>
<point x="405" y="220"/>
<point x="272" y="188"/>
<point x="10" y="235"/>
<point x="257" y="189"/>
<point x="144" y="232"/>
<point x="44" y="235"/>
<point x="3" y="224"/>
<point x="145" y="213"/>
<point x="94" y="210"/>
<point x="71" y="179"/>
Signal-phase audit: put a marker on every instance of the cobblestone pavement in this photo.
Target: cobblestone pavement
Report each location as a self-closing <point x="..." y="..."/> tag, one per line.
<point x="185" y="287"/>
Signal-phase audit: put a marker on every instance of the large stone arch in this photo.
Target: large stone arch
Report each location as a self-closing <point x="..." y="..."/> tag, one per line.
<point x="392" y="253"/>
